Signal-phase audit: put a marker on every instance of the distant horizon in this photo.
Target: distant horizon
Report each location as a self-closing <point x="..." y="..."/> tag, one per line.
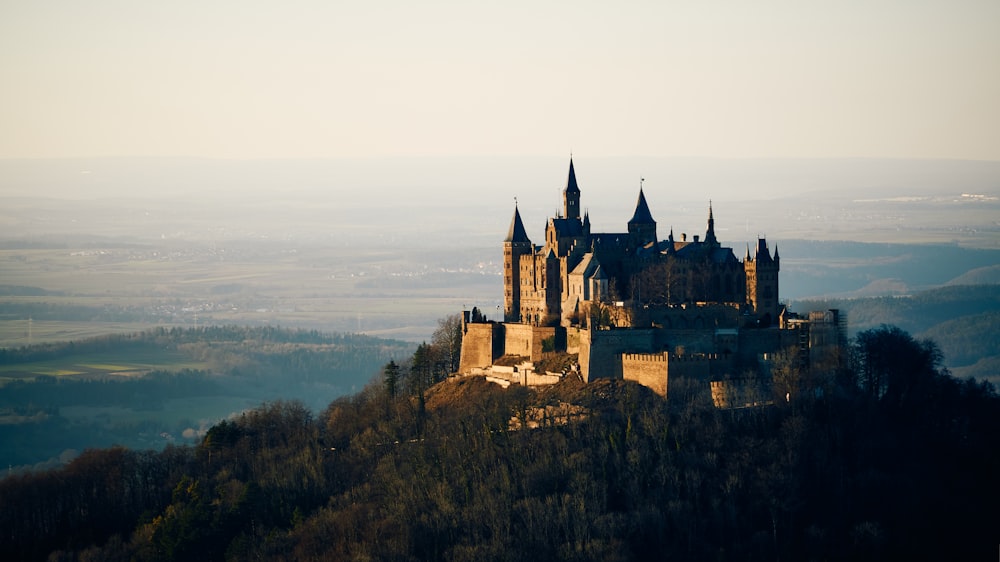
<point x="492" y="179"/>
<point x="881" y="200"/>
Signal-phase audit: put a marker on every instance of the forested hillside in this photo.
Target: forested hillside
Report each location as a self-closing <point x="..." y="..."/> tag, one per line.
<point x="964" y="320"/>
<point x="890" y="459"/>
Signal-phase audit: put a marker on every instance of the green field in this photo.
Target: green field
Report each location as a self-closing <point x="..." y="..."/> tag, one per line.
<point x="15" y="333"/>
<point x="100" y="365"/>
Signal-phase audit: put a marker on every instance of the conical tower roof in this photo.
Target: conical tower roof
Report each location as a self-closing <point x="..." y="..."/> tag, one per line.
<point x="571" y="186"/>
<point x="642" y="214"/>
<point x="516" y="232"/>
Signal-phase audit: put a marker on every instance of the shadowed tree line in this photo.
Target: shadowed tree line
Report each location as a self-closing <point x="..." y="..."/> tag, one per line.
<point x="890" y="458"/>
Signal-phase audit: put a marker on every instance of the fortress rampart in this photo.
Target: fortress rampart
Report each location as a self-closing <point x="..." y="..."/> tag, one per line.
<point x="482" y="344"/>
<point x="600" y="350"/>
<point x="739" y="393"/>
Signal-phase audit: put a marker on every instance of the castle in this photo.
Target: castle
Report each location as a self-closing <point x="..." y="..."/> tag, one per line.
<point x="629" y="305"/>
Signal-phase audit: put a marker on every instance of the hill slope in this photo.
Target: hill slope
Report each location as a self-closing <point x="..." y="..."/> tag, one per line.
<point x="444" y="477"/>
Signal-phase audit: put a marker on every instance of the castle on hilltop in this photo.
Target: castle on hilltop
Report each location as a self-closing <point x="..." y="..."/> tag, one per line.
<point x="629" y="305"/>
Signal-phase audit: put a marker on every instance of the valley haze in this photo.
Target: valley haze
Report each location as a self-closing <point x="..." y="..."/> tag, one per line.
<point x="387" y="246"/>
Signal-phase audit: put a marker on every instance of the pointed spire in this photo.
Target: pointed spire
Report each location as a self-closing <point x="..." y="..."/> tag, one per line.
<point x="710" y="235"/>
<point x="762" y="252"/>
<point x="747" y="258"/>
<point x="571" y="195"/>
<point x="642" y="214"/>
<point x="516" y="231"/>
<point x="571" y="186"/>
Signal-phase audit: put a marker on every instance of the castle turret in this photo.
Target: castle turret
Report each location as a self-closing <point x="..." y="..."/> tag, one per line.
<point x="641" y="227"/>
<point x="515" y="245"/>
<point x="762" y="282"/>
<point x="571" y="195"/>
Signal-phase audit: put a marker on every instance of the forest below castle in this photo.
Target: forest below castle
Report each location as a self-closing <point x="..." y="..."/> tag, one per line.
<point x="888" y="458"/>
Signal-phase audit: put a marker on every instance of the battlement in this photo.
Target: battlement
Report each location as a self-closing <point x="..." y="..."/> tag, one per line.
<point x="653" y="357"/>
<point x="740" y="393"/>
<point x="700" y="357"/>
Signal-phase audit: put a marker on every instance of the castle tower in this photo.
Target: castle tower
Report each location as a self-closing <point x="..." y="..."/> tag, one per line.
<point x="641" y="227"/>
<point x="571" y="195"/>
<point x="515" y="245"/>
<point x="762" y="282"/>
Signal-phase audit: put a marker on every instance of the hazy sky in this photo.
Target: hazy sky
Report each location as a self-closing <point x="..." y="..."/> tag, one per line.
<point x="330" y="79"/>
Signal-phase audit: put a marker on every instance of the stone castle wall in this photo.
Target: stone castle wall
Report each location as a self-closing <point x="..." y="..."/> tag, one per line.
<point x="517" y="339"/>
<point x="656" y="370"/>
<point x="573" y="340"/>
<point x="755" y="343"/>
<point x="686" y="341"/>
<point x="528" y="341"/>
<point x="695" y="316"/>
<point x="739" y="393"/>
<point x="647" y="369"/>
<point x="485" y="342"/>
<point x="481" y="345"/>
<point x="600" y="350"/>
<point x="701" y="367"/>
<point x="648" y="356"/>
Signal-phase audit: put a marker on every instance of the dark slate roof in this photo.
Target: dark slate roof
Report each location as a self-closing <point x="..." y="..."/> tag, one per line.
<point x="702" y="250"/>
<point x="516" y="232"/>
<point x="762" y="255"/>
<point x="642" y="214"/>
<point x="690" y="250"/>
<point x="723" y="255"/>
<point x="571" y="186"/>
<point x="609" y="240"/>
<point x="567" y="227"/>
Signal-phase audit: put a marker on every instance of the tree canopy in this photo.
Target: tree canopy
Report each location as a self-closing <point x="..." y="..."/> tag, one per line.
<point x="897" y="461"/>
